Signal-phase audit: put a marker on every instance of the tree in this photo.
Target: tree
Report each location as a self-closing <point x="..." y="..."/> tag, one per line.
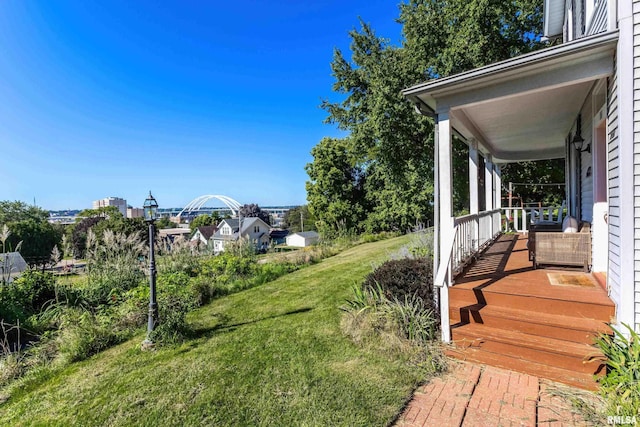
<point x="385" y="164"/>
<point x="78" y="234"/>
<point x="38" y="239"/>
<point x="530" y="190"/>
<point x="20" y="211"/>
<point x="295" y="218"/>
<point x="202" y="220"/>
<point x="29" y="225"/>
<point x="165" y="222"/>
<point x="335" y="189"/>
<point x="102" y="219"/>
<point x="253" y="211"/>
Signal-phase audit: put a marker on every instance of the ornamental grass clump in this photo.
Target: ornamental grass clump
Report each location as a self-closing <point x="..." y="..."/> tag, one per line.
<point x="621" y="386"/>
<point x="394" y="326"/>
<point x="113" y="266"/>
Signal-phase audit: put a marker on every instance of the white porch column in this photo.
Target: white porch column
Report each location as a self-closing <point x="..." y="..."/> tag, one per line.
<point x="473" y="176"/>
<point x="489" y="185"/>
<point x="444" y="206"/>
<point x="473" y="187"/>
<point x="497" y="180"/>
<point x="497" y="173"/>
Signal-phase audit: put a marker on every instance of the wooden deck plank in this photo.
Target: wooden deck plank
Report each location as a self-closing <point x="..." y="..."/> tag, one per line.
<point x="505" y="268"/>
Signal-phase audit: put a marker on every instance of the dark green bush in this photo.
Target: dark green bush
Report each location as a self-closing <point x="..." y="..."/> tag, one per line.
<point x="26" y="295"/>
<point x="405" y="277"/>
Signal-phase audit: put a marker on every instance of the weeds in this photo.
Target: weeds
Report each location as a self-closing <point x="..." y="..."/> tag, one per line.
<point x="394" y="326"/>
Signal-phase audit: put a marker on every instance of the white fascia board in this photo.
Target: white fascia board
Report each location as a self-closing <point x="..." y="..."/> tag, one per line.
<point x="428" y="92"/>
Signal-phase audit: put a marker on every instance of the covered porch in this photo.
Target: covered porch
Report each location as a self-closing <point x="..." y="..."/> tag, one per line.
<point x="533" y="107"/>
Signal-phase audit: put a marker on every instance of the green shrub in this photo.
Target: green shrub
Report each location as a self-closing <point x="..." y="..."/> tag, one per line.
<point x="621" y="386"/>
<point x="405" y="278"/>
<point x="172" y="319"/>
<point x="26" y="295"/>
<point x="82" y="333"/>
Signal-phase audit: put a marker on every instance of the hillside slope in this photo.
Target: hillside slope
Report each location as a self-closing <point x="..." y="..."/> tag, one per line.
<point x="272" y="355"/>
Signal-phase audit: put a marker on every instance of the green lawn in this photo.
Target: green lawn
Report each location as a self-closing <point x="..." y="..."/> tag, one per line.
<point x="272" y="355"/>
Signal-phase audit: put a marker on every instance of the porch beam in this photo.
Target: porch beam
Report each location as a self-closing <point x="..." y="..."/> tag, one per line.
<point x="576" y="53"/>
<point x="592" y="69"/>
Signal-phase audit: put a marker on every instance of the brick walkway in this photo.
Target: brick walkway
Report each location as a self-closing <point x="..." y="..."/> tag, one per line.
<point x="478" y="395"/>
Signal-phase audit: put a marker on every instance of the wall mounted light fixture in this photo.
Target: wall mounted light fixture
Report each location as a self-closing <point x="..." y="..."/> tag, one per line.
<point x="578" y="140"/>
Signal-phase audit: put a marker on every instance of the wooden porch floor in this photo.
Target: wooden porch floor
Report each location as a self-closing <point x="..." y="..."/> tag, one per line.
<point x="541" y="322"/>
<point x="505" y="267"/>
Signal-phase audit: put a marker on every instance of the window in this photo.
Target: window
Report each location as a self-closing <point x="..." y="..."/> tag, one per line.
<point x="226" y="230"/>
<point x="256" y="228"/>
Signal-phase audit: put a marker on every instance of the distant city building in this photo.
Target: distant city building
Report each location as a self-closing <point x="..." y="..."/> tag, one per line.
<point x="119" y="203"/>
<point x="135" y="212"/>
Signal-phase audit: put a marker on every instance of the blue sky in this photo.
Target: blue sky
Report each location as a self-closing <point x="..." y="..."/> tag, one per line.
<point x="183" y="98"/>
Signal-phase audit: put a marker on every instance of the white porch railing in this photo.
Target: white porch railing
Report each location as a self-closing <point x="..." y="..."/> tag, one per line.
<point x="472" y="234"/>
<point x="519" y="219"/>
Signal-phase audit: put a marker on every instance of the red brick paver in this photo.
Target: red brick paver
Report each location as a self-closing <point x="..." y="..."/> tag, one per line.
<point x="476" y="395"/>
<point x="503" y="398"/>
<point x="443" y="401"/>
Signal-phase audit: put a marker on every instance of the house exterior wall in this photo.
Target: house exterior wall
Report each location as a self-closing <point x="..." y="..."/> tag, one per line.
<point x="636" y="156"/>
<point x="613" y="276"/>
<point x="624" y="247"/>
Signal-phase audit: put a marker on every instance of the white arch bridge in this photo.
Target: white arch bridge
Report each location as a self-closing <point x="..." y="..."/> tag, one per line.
<point x="197" y="204"/>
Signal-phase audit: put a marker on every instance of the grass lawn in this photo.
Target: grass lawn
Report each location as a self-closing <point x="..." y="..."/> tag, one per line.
<point x="272" y="355"/>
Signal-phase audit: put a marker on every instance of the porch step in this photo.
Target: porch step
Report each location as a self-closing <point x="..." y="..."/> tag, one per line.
<point x="565" y="376"/>
<point x="546" y="351"/>
<point x="580" y="305"/>
<point x="568" y="328"/>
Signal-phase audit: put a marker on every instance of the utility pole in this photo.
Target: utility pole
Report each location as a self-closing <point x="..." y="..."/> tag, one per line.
<point x="301" y="221"/>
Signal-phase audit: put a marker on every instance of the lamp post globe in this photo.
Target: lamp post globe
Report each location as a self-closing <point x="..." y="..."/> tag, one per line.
<point x="150" y="208"/>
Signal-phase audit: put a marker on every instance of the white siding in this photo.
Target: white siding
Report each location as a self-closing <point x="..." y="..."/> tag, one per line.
<point x="599" y="19"/>
<point x="636" y="156"/>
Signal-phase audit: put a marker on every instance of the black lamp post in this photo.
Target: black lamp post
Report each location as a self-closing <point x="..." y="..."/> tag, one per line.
<point x="150" y="215"/>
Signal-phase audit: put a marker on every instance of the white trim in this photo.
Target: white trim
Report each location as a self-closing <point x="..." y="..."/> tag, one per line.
<point x="488" y="184"/>
<point x="584" y="48"/>
<point x="626" y="306"/>
<point x="445" y="205"/>
<point x="473" y="177"/>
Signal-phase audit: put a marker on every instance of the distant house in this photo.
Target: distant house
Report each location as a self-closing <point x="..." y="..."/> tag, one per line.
<point x="229" y="230"/>
<point x="277" y="236"/>
<point x="203" y="235"/>
<point x="170" y="234"/>
<point x="302" y="239"/>
<point x="11" y="265"/>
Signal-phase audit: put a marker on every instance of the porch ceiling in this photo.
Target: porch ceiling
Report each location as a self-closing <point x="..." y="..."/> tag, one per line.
<point x="523" y="108"/>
